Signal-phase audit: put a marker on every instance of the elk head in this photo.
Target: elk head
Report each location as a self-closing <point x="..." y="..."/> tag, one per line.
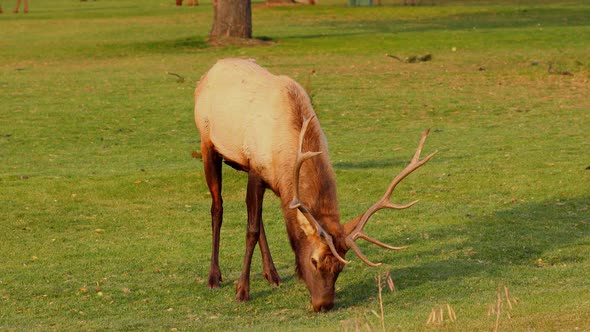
<point x="320" y="261"/>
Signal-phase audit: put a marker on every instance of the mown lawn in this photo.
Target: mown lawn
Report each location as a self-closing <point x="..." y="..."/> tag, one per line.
<point x="105" y="214"/>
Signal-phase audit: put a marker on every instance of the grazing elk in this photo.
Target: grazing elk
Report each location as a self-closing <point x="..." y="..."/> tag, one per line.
<point x="265" y="125"/>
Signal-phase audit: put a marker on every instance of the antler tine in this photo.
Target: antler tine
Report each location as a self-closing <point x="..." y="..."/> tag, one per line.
<point x="379" y="243"/>
<point x="385" y="203"/>
<point x="359" y="253"/>
<point x="301" y="157"/>
<point x="296" y="202"/>
<point x="352" y="245"/>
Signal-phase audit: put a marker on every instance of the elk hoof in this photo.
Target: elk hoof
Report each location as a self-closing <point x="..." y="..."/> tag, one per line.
<point x="214" y="280"/>
<point x="242" y="294"/>
<point x="272" y="277"/>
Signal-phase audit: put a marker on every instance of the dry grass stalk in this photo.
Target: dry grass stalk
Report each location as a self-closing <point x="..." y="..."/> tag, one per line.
<point x="382" y="317"/>
<point x="359" y="323"/>
<point x="437" y="315"/>
<point x="507" y="295"/>
<point x="452" y="315"/>
<point x="355" y="324"/>
<point x="497" y="309"/>
<point x="390" y="283"/>
<point x="432" y="317"/>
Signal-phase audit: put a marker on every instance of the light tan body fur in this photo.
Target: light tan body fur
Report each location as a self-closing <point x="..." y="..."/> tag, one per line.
<point x="245" y="112"/>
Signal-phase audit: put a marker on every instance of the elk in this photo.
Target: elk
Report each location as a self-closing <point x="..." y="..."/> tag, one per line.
<point x="265" y="125"/>
<point x="25" y="6"/>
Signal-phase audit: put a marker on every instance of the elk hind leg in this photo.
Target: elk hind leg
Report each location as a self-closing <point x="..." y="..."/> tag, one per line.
<point x="254" y="196"/>
<point x="212" y="164"/>
<point x="269" y="272"/>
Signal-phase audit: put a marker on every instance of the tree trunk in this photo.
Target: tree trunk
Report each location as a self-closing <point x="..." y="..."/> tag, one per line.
<point x="232" y="20"/>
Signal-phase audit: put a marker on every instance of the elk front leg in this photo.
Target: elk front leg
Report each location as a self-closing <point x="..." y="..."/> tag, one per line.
<point x="25" y="8"/>
<point x="269" y="272"/>
<point x="212" y="164"/>
<point x="254" y="196"/>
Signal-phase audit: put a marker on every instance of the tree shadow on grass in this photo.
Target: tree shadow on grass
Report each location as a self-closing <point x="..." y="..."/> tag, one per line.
<point x="484" y="19"/>
<point x="364" y="164"/>
<point x="489" y="245"/>
<point x="180" y="45"/>
<point x="166" y="46"/>
<point x="127" y="48"/>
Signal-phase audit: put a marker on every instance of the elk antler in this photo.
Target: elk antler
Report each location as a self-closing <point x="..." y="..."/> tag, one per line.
<point x="297" y="204"/>
<point x="384" y="203"/>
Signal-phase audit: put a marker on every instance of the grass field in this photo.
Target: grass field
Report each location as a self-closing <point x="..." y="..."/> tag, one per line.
<point x="105" y="215"/>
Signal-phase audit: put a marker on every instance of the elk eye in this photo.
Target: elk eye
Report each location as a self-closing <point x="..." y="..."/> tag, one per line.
<point x="314" y="262"/>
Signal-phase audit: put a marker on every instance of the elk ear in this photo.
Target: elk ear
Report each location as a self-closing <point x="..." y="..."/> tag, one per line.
<point x="316" y="257"/>
<point x="314" y="262"/>
<point x="351" y="225"/>
<point x="305" y="225"/>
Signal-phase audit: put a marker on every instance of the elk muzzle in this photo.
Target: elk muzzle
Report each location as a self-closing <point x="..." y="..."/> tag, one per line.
<point x="322" y="304"/>
<point x="323" y="295"/>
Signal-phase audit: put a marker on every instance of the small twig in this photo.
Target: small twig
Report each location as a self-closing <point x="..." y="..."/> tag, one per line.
<point x="413" y="58"/>
<point x="179" y="79"/>
<point x="551" y="71"/>
<point x="395" y="57"/>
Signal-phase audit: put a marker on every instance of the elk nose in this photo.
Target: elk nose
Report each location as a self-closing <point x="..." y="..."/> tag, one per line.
<point x="323" y="307"/>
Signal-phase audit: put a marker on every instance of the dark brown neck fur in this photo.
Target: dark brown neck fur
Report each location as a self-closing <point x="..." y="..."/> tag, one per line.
<point x="317" y="179"/>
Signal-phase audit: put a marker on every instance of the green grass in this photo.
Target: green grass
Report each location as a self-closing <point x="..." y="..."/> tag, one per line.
<point x="105" y="215"/>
